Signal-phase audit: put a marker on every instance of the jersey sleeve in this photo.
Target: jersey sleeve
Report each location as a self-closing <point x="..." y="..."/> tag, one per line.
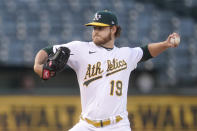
<point x="138" y="53"/>
<point x="74" y="47"/>
<point x="136" y="56"/>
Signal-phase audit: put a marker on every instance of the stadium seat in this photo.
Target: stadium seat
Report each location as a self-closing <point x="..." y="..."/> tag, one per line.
<point x="36" y="24"/>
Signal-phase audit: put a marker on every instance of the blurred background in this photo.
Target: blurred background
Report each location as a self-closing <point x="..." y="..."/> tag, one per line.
<point x="26" y="26"/>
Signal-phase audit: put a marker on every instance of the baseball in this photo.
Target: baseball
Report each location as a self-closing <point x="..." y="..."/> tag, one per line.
<point x="175" y="40"/>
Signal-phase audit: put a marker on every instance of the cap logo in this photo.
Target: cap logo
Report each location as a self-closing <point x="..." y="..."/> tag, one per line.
<point x="97" y="17"/>
<point x="112" y="22"/>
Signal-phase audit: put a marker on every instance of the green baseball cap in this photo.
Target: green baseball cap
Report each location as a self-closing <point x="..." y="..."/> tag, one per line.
<point x="104" y="18"/>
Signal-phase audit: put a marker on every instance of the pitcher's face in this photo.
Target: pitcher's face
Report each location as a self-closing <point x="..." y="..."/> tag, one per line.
<point x="101" y="35"/>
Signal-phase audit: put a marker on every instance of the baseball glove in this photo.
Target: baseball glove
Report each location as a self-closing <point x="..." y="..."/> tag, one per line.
<point x="55" y="63"/>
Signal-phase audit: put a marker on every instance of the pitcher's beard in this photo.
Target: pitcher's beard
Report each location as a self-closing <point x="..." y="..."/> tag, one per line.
<point x="102" y="41"/>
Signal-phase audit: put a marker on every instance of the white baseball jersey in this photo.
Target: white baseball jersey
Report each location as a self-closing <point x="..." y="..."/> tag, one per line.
<point x="103" y="77"/>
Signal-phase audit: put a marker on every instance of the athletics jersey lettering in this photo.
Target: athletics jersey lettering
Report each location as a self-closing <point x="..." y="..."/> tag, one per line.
<point x="115" y="66"/>
<point x="94" y="72"/>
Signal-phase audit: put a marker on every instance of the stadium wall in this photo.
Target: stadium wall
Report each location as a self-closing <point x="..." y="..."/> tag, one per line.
<point x="58" y="113"/>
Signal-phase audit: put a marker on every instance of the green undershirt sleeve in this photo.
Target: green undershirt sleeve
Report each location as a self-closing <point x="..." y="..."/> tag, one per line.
<point x="48" y="49"/>
<point x="146" y="54"/>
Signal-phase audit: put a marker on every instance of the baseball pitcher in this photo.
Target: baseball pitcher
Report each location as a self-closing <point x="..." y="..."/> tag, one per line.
<point x="102" y="70"/>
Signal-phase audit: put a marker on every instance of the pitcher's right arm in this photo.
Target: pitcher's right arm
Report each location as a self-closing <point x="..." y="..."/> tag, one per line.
<point x="40" y="59"/>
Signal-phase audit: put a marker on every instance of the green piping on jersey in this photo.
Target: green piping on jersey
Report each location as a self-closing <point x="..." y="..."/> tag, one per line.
<point x="116" y="71"/>
<point x="48" y="49"/>
<point x="86" y="83"/>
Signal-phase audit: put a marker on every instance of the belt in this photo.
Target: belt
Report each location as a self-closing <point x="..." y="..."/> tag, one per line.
<point x="101" y="123"/>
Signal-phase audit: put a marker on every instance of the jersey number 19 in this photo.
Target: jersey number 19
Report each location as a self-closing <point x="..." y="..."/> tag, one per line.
<point x="118" y="86"/>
